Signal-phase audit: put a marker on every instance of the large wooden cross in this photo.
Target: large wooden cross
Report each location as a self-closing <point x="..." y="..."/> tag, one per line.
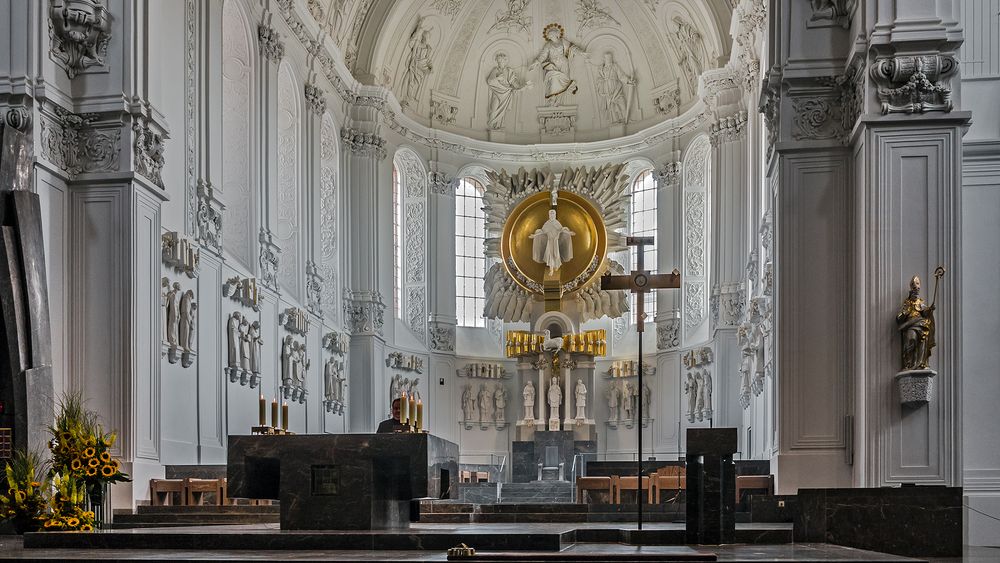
<point x="640" y="282"/>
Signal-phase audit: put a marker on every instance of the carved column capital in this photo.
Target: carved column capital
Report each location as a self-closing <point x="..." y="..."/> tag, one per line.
<point x="364" y="312"/>
<point x="668" y="331"/>
<point x="362" y="143"/>
<point x="315" y="98"/>
<point x="208" y="219"/>
<point x="269" y="43"/>
<point x="269" y="255"/>
<point x="668" y="175"/>
<point x="442" y="184"/>
<point x="442" y="336"/>
<point x="79" y="34"/>
<point x="314" y="289"/>
<point x="914" y="83"/>
<point x="729" y="128"/>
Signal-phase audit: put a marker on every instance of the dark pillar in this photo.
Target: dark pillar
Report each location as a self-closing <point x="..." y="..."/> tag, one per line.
<point x="711" y="485"/>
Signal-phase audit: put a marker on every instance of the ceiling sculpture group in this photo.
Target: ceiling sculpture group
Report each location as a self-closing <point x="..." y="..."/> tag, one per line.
<point x="529" y="71"/>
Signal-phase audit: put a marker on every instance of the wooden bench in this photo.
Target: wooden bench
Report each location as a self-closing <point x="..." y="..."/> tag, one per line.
<point x="197" y="489"/>
<point x="602" y="484"/>
<point x="757" y="482"/>
<point x="162" y="491"/>
<point x="671" y="478"/>
<point x="629" y="484"/>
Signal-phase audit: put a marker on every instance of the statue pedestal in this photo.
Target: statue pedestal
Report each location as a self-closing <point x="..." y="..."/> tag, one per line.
<point x="554" y="425"/>
<point x="916" y="387"/>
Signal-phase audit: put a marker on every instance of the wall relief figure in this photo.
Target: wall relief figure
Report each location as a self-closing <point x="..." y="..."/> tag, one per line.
<point x="503" y="82"/>
<point x="615" y="90"/>
<point x="689" y="46"/>
<point x="513" y="16"/>
<point x="554" y="61"/>
<point x="418" y="63"/>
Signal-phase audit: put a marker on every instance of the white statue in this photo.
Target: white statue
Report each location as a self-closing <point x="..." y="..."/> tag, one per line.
<point x="699" y="403"/>
<point x="286" y="361"/>
<point x="485" y="404"/>
<point x="233" y="340"/>
<point x="550" y="344"/>
<point x="614" y="88"/>
<point x="529" y="401"/>
<point x="581" y="400"/>
<point x="647" y="400"/>
<point x="302" y="364"/>
<point x="396" y="387"/>
<point x="468" y="402"/>
<point x="340" y="384"/>
<point x="256" y="343"/>
<point x="172" y="314"/>
<point x="706" y="395"/>
<point x="554" y="59"/>
<point x="691" y="389"/>
<point x="614" y="403"/>
<point x="414" y="390"/>
<point x="553" y="243"/>
<point x="503" y="83"/>
<point x="418" y="65"/>
<point x="628" y="402"/>
<point x="555" y="399"/>
<point x="689" y="47"/>
<point x="245" y="345"/>
<point x="500" y="403"/>
<point x="186" y="320"/>
<point x="329" y="393"/>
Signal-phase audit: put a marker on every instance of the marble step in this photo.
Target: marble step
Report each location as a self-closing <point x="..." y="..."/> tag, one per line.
<point x="166" y="516"/>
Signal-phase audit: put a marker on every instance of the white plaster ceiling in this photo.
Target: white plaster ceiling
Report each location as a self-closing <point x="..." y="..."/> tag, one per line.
<point x="661" y="44"/>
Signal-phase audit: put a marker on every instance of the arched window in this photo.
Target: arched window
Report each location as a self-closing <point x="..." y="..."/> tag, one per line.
<point x="642" y="223"/>
<point x="470" y="261"/>
<point x="397" y="248"/>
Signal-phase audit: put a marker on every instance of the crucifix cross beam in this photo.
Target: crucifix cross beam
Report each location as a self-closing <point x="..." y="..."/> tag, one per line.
<point x="640" y="281"/>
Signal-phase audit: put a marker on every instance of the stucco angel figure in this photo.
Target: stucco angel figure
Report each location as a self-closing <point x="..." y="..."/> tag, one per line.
<point x="554" y="60"/>
<point x="553" y="244"/>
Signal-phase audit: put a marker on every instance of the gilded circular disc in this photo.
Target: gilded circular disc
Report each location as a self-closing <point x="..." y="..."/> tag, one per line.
<point x="578" y="214"/>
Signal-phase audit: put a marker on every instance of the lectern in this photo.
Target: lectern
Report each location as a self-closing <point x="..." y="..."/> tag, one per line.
<point x="343" y="481"/>
<point x="711" y="485"/>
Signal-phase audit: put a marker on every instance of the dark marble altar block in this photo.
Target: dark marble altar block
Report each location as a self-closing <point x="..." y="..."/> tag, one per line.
<point x="912" y="521"/>
<point x="343" y="481"/>
<point x="711" y="485"/>
<point x="561" y="447"/>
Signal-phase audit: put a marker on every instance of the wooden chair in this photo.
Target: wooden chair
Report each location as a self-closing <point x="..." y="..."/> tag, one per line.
<point x="482" y="476"/>
<point x="465" y="477"/>
<point x="196" y="489"/>
<point x="168" y="488"/>
<point x="760" y="482"/>
<point x="629" y="484"/>
<point x="671" y="478"/>
<point x="602" y="484"/>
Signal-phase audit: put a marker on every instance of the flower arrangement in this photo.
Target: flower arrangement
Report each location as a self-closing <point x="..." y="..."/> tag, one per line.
<point x="66" y="506"/>
<point x="81" y="448"/>
<point x="25" y="497"/>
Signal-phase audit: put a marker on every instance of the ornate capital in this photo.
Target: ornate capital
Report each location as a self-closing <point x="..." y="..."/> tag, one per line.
<point x="208" y="219"/>
<point x="79" y="33"/>
<point x="147" y="155"/>
<point x="731" y="301"/>
<point x="269" y="253"/>
<point x="363" y="144"/>
<point x="729" y="128"/>
<point x="364" y="312"/>
<point x="442" y="336"/>
<point x="441" y="183"/>
<point x="18" y="117"/>
<point x="314" y="289"/>
<point x="80" y="143"/>
<point x="668" y="175"/>
<point x="668" y="333"/>
<point x="315" y="98"/>
<point x="914" y="83"/>
<point x="828" y="13"/>
<point x="269" y="43"/>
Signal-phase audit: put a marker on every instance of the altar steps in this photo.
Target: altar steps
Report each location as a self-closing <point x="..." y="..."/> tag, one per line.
<point x="174" y="516"/>
<point x="539" y="492"/>
<point x="468" y="513"/>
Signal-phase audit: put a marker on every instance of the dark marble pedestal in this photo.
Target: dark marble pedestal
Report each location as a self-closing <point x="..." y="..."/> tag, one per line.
<point x="711" y="485"/>
<point x="343" y="481"/>
<point x="548" y="449"/>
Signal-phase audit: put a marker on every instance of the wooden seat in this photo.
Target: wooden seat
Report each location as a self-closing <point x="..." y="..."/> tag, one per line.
<point x="465" y="477"/>
<point x="746" y="482"/>
<point x="671" y="478"/>
<point x="602" y="484"/>
<point x="197" y="489"/>
<point x="629" y="484"/>
<point x="167" y="488"/>
<point x="482" y="476"/>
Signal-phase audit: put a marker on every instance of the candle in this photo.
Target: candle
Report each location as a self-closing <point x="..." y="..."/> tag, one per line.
<point x="420" y="416"/>
<point x="262" y="415"/>
<point x="404" y="408"/>
<point x="284" y="415"/>
<point x="413" y="410"/>
<point x="274" y="413"/>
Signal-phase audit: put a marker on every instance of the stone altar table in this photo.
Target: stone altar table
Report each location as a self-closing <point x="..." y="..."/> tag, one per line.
<point x="343" y="481"/>
<point x="711" y="485"/>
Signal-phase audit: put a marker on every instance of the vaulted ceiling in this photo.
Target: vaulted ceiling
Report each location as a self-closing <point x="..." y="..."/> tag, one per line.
<point x="637" y="62"/>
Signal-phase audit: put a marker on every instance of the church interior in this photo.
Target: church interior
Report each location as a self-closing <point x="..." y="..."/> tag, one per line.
<point x="500" y="280"/>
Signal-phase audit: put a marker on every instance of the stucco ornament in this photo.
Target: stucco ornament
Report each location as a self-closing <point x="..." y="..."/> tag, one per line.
<point x="80" y="31"/>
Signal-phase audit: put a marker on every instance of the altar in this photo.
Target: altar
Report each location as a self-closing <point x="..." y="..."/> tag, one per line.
<point x="343" y="481"/>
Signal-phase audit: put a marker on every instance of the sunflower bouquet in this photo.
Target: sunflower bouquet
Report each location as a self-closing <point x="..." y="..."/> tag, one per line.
<point x="80" y="447"/>
<point x="66" y="510"/>
<point x="25" y="497"/>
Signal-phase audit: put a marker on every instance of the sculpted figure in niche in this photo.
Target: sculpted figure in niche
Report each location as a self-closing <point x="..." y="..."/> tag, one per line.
<point x="916" y="325"/>
<point x="554" y="59"/>
<point x="468" y="402"/>
<point x="581" y="400"/>
<point x="628" y="402"/>
<point x="614" y="88"/>
<point x="500" y="402"/>
<point x="503" y="82"/>
<point x="553" y="244"/>
<point x="418" y="65"/>
<point x="699" y="402"/>
<point x="647" y="400"/>
<point x="485" y="404"/>
<point x="256" y="342"/>
<point x="286" y="361"/>
<point x="233" y="332"/>
<point x="185" y="322"/>
<point x="614" y="398"/>
<point x="691" y="390"/>
<point x="172" y="314"/>
<point x="689" y="46"/>
<point x="328" y="389"/>
<point x="414" y="390"/>
<point x="529" y="401"/>
<point x="396" y="387"/>
<point x="555" y="399"/>
<point x="245" y="345"/>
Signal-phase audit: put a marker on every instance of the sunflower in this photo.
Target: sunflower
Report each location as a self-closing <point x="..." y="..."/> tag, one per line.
<point x="50" y="523"/>
<point x="64" y="436"/>
<point x="36" y="484"/>
<point x="91" y="471"/>
<point x="108" y="441"/>
<point x="118" y="465"/>
<point x="94" y="462"/>
<point x="89" y="452"/>
<point x="89" y="515"/>
<point x="63" y="449"/>
<point x="76" y="464"/>
<point x="86" y="528"/>
<point x="73" y="522"/>
<point x="105" y="457"/>
<point x="108" y="471"/>
<point x="91" y="441"/>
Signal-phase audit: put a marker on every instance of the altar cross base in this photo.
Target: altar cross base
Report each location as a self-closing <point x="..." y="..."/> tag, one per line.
<point x="640" y="282"/>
